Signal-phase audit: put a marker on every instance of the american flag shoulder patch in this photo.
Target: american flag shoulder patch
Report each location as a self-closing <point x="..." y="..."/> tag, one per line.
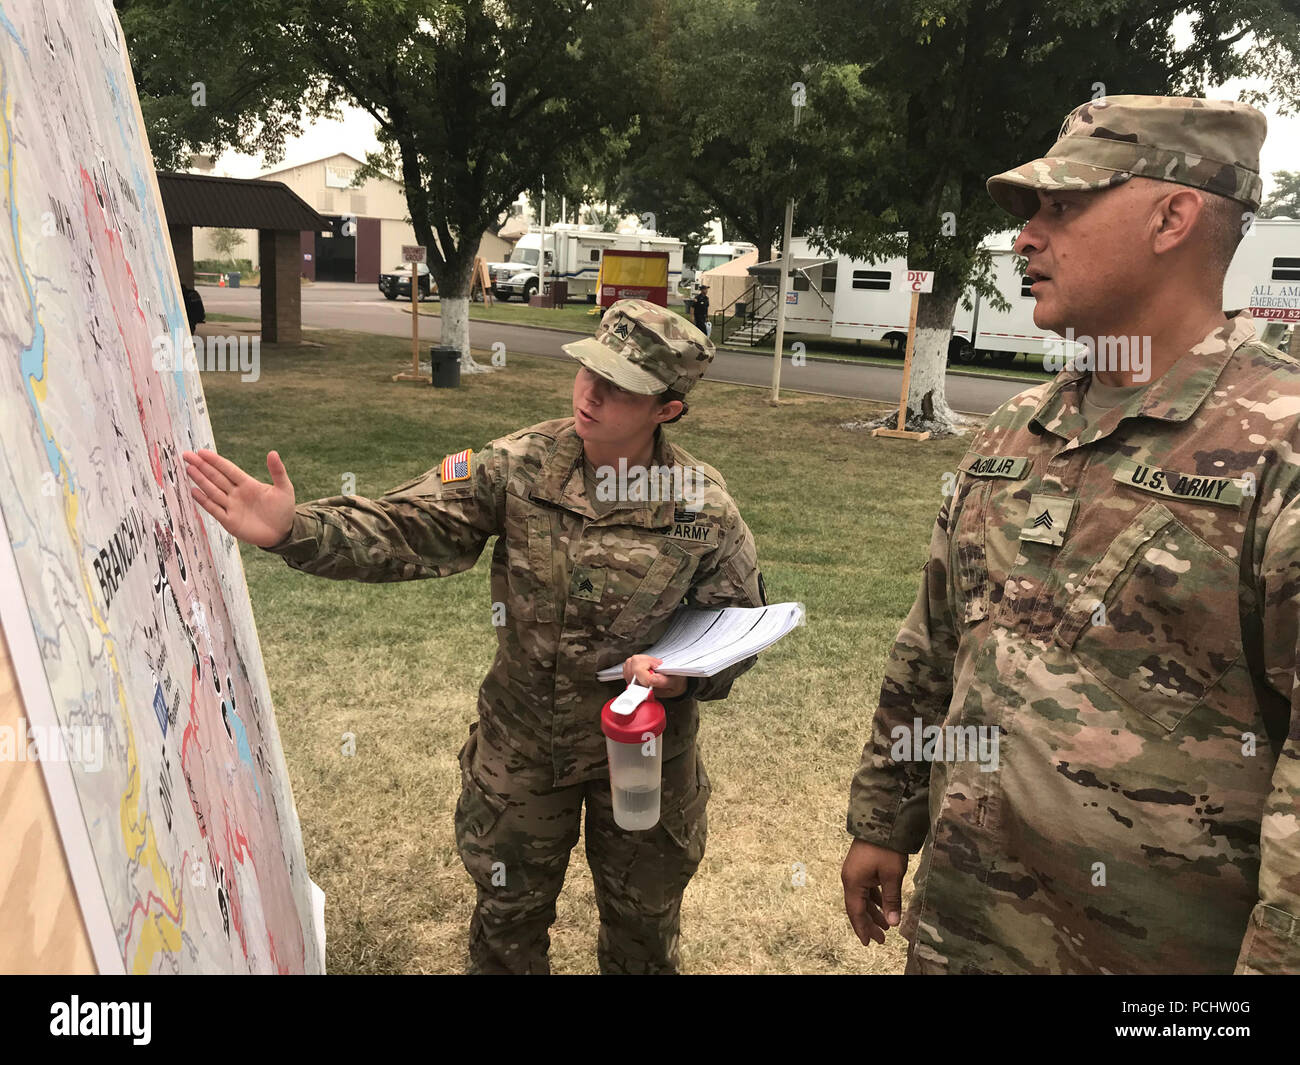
<point x="456" y="467"/>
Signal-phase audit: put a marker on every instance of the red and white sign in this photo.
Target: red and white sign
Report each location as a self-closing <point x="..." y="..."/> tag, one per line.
<point x="920" y="280"/>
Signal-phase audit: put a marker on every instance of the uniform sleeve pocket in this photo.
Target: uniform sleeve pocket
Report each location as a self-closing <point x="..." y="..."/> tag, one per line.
<point x="970" y="566"/>
<point x="1140" y="622"/>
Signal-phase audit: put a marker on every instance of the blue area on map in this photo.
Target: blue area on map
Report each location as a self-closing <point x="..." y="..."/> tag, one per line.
<point x="241" y="741"/>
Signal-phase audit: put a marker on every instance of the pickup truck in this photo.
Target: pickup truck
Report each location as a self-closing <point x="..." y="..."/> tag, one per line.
<point x="397" y="282"/>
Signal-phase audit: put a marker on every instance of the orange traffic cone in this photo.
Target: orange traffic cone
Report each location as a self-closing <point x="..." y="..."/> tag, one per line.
<point x="222" y="282"/>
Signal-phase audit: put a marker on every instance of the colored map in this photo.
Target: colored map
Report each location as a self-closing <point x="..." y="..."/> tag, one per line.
<point x="170" y="788"/>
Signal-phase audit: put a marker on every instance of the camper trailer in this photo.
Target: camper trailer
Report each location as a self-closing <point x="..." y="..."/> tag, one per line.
<point x="833" y="295"/>
<point x="573" y="255"/>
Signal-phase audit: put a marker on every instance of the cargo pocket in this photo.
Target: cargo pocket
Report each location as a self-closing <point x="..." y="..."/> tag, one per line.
<point x="478" y="809"/>
<point x="970" y="566"/>
<point x="671" y="569"/>
<point x="686" y="821"/>
<point x="1140" y="623"/>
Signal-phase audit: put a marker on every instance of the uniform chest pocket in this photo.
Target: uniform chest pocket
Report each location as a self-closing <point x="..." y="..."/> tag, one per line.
<point x="1144" y="621"/>
<point x="530" y="557"/>
<point x="658" y="592"/>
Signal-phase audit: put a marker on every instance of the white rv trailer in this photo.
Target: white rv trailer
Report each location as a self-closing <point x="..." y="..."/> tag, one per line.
<point x="573" y="254"/>
<point x="833" y="295"/>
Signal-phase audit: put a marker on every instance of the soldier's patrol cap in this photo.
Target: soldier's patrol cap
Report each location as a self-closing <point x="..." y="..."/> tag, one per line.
<point x="645" y="348"/>
<point x="1207" y="144"/>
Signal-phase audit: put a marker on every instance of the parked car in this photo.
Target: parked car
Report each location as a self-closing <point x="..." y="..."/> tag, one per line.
<point x="397" y="282"/>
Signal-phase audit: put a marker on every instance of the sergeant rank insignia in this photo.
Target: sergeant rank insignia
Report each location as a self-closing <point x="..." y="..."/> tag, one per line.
<point x="456" y="467"/>
<point x="1047" y="520"/>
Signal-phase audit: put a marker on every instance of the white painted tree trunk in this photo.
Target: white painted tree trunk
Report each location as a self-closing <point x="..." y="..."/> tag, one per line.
<point x="927" y="401"/>
<point x="455" y="323"/>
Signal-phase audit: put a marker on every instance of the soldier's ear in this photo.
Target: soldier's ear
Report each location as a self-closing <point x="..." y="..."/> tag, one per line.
<point x="669" y="410"/>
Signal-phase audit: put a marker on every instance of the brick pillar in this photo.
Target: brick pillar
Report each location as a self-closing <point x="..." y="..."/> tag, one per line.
<point x="182" y="238"/>
<point x="280" y="254"/>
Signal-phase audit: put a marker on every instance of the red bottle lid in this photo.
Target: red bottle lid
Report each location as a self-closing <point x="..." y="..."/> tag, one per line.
<point x="649" y="717"/>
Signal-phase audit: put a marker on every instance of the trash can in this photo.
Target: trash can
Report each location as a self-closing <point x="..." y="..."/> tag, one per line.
<point x="740" y="310"/>
<point x="558" y="291"/>
<point x="446" y="367"/>
<point x="233" y="279"/>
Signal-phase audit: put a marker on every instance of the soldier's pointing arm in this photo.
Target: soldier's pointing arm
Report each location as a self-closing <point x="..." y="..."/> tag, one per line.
<point x="426" y="527"/>
<point x="1272" y="941"/>
<point x="888" y="800"/>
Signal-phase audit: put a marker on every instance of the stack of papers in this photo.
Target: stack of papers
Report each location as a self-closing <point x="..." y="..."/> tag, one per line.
<point x="700" y="643"/>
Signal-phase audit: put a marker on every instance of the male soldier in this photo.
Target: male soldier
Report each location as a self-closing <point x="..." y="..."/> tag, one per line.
<point x="585" y="576"/>
<point x="1110" y="605"/>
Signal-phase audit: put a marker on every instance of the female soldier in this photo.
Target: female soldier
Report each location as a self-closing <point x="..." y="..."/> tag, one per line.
<point x="587" y="569"/>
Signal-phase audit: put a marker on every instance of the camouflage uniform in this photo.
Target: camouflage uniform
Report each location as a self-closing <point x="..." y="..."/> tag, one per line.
<point x="583" y="587"/>
<point x="1120" y="601"/>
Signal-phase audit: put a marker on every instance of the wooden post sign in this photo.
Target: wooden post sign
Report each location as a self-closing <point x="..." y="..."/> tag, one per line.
<point x="918" y="281"/>
<point x="414" y="254"/>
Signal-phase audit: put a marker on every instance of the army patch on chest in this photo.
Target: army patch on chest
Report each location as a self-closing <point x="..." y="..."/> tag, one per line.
<point x="698" y="529"/>
<point x="1047" y="520"/>
<point x="1187" y="487"/>
<point x="1010" y="466"/>
<point x="587" y="583"/>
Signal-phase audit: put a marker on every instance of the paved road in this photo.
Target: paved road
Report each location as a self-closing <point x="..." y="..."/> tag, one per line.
<point x="335" y="305"/>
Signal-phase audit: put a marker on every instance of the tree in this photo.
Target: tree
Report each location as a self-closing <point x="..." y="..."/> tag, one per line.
<point x="226" y="240"/>
<point x="213" y="76"/>
<point x="474" y="99"/>
<point x="931" y="98"/>
<point x="1284" y="200"/>
<point x="718" y="141"/>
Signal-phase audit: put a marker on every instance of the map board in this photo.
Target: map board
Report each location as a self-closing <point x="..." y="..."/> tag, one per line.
<point x="124" y="607"/>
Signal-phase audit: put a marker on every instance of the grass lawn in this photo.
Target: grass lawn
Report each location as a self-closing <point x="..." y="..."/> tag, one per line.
<point x="842" y="522"/>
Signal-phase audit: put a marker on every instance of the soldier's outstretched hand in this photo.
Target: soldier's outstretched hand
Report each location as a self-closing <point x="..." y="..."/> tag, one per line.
<point x="248" y="509"/>
<point x="873" y="889"/>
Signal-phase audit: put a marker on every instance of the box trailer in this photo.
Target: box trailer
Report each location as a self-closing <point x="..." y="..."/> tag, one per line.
<point x="843" y="298"/>
<point x="573" y="255"/>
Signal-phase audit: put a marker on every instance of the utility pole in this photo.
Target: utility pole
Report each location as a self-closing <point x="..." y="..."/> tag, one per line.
<point x="779" y="344"/>
<point x="541" y="256"/>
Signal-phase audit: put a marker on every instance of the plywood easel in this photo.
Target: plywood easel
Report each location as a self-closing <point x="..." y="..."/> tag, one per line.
<point x="41" y="920"/>
<point x="480" y="281"/>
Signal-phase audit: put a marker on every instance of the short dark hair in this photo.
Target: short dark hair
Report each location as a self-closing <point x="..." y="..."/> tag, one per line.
<point x="1224" y="227"/>
<point x="667" y="397"/>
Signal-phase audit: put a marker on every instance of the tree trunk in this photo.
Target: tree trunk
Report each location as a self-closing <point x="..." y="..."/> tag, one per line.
<point x="927" y="403"/>
<point x="453" y="296"/>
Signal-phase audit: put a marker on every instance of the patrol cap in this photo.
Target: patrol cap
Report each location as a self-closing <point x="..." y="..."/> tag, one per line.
<point x="1207" y="144"/>
<point x="645" y="348"/>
